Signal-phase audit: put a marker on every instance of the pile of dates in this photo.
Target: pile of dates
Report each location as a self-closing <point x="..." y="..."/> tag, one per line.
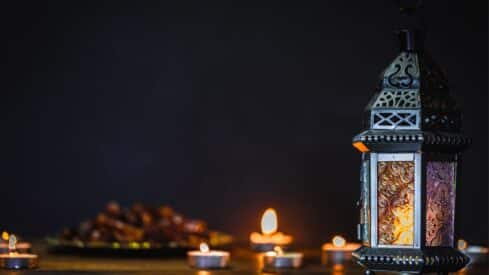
<point x="139" y="223"/>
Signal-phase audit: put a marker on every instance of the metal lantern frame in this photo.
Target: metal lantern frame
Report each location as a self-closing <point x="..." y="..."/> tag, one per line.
<point x="412" y="118"/>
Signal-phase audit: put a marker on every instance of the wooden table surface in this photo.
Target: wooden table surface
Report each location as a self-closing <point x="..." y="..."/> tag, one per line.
<point x="243" y="262"/>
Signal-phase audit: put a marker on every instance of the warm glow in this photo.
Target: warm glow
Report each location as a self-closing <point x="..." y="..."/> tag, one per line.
<point x="12" y="241"/>
<point x="339" y="241"/>
<point x="361" y="147"/>
<point x="462" y="244"/>
<point x="5" y="235"/>
<point x="269" y="233"/>
<point x="269" y="222"/>
<point x="338" y="267"/>
<point x="403" y="225"/>
<point x="278" y="250"/>
<point x="204" y="248"/>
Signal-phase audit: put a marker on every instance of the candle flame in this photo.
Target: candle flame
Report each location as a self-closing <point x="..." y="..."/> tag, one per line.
<point x="12" y="241"/>
<point x="278" y="250"/>
<point x="269" y="222"/>
<point x="204" y="248"/>
<point x="339" y="241"/>
<point x="462" y="244"/>
<point x="5" y="236"/>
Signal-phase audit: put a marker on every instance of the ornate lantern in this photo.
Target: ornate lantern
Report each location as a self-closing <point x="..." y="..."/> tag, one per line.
<point x="410" y="162"/>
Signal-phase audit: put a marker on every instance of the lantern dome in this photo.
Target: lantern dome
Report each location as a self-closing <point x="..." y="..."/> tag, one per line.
<point x="412" y="104"/>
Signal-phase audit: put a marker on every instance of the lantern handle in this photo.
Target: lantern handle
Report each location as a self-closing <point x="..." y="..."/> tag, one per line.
<point x="412" y="14"/>
<point x="410" y="7"/>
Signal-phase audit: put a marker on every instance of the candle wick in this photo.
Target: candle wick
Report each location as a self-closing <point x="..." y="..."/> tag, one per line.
<point x="278" y="250"/>
<point x="204" y="248"/>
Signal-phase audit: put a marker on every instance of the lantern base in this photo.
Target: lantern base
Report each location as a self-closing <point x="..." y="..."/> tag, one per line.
<point x="408" y="260"/>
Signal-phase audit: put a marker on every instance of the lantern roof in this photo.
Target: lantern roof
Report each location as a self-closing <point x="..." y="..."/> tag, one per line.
<point x="412" y="103"/>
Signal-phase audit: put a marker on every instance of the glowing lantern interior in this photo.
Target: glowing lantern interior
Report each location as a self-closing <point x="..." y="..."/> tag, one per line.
<point x="395" y="203"/>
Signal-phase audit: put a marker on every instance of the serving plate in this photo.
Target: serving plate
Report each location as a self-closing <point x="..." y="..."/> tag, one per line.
<point x="217" y="240"/>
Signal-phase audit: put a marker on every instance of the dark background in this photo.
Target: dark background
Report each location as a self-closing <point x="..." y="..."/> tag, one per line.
<point x="220" y="110"/>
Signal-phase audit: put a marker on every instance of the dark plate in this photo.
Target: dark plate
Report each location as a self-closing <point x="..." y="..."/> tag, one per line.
<point x="218" y="240"/>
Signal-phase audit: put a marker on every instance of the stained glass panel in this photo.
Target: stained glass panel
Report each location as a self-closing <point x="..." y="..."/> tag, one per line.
<point x="440" y="200"/>
<point x="395" y="199"/>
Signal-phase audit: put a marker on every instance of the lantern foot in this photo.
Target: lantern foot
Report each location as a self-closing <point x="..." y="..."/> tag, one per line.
<point x="437" y="260"/>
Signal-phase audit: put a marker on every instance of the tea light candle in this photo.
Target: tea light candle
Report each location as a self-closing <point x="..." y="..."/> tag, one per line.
<point x="269" y="238"/>
<point x="338" y="251"/>
<point x="477" y="254"/>
<point x="278" y="259"/>
<point x="16" y="260"/>
<point x="208" y="259"/>
<point x="22" y="247"/>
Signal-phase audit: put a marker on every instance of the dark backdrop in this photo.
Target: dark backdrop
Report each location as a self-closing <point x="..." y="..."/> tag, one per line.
<point x="220" y="109"/>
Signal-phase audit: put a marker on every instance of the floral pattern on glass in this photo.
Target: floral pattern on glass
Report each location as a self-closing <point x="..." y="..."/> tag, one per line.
<point x="395" y="198"/>
<point x="440" y="203"/>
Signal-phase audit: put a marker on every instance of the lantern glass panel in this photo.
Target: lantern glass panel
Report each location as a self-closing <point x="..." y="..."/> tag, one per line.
<point x="395" y="199"/>
<point x="440" y="203"/>
<point x="365" y="202"/>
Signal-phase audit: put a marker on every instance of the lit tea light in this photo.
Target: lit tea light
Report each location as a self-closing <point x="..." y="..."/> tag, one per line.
<point x="208" y="259"/>
<point x="269" y="236"/>
<point x="16" y="260"/>
<point x="477" y="254"/>
<point x="338" y="251"/>
<point x="22" y="247"/>
<point x="278" y="259"/>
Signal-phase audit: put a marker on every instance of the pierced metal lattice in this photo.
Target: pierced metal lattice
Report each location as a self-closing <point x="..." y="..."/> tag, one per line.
<point x="441" y="121"/>
<point x="390" y="98"/>
<point x="403" y="72"/>
<point x="395" y="119"/>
